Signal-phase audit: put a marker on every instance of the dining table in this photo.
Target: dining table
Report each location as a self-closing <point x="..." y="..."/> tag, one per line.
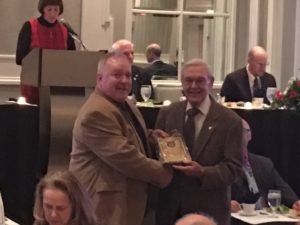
<point x="19" y="142"/>
<point x="263" y="217"/>
<point x="10" y="222"/>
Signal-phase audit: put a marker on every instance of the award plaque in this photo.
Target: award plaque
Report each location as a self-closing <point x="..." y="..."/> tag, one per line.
<point x="173" y="149"/>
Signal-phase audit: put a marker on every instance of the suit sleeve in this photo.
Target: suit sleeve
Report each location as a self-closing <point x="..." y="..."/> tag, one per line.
<point x="230" y="166"/>
<point x="228" y="88"/>
<point x="273" y="82"/>
<point x="70" y="43"/>
<point x="23" y="44"/>
<point x="106" y="137"/>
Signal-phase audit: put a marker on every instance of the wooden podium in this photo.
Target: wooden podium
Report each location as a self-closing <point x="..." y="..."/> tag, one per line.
<point x="42" y="67"/>
<point x="45" y="68"/>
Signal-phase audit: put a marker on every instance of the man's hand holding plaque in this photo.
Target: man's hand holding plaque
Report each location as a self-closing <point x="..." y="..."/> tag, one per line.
<point x="172" y="149"/>
<point x="190" y="168"/>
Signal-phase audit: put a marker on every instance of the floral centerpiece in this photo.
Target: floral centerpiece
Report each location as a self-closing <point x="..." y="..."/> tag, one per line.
<point x="290" y="98"/>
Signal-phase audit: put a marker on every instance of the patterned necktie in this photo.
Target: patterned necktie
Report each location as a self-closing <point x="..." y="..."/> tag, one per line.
<point x="256" y="88"/>
<point x="189" y="128"/>
<point x="250" y="178"/>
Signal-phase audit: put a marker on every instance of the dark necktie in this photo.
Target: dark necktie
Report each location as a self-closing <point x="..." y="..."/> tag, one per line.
<point x="256" y="88"/>
<point x="189" y="128"/>
<point x="136" y="125"/>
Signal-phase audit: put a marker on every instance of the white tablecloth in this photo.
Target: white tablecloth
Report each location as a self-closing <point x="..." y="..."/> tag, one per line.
<point x="261" y="217"/>
<point x="10" y="222"/>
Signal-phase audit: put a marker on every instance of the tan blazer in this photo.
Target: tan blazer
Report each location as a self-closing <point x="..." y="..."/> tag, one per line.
<point x="108" y="157"/>
<point x="218" y="149"/>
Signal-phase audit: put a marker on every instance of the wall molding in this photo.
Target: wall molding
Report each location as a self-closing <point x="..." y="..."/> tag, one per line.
<point x="10" y="80"/>
<point x="8" y="57"/>
<point x="10" y="72"/>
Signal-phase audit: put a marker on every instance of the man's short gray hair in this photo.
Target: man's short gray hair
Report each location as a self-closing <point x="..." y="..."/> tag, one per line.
<point x="118" y="44"/>
<point x="106" y="57"/>
<point x="155" y="49"/>
<point x="197" y="62"/>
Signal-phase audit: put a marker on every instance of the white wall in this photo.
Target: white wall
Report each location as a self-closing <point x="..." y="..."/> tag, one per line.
<point x="96" y="24"/>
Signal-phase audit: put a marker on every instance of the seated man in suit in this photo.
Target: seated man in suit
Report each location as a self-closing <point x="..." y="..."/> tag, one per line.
<point x="250" y="81"/>
<point x="127" y="48"/>
<point x="157" y="67"/>
<point x="258" y="178"/>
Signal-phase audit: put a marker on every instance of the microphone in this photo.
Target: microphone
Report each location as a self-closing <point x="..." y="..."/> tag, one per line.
<point x="72" y="33"/>
<point x="68" y="26"/>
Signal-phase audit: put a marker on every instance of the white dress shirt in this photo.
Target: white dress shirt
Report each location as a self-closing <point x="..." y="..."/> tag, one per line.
<point x="251" y="79"/>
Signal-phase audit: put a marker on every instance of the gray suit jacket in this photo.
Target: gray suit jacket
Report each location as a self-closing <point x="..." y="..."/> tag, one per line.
<point x="266" y="178"/>
<point x="218" y="150"/>
<point x="108" y="157"/>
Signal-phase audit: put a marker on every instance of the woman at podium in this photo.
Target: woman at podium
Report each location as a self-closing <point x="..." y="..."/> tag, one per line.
<point x="42" y="32"/>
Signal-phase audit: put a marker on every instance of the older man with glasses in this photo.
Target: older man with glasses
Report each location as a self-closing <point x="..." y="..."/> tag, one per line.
<point x="250" y="81"/>
<point x="259" y="176"/>
<point x="213" y="135"/>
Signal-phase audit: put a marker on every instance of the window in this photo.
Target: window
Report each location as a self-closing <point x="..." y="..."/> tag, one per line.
<point x="184" y="29"/>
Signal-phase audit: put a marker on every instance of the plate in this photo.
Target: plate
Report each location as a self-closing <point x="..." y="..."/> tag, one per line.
<point x="248" y="214"/>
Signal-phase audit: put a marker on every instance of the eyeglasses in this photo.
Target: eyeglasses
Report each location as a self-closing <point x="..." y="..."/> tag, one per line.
<point x="199" y="81"/>
<point x="262" y="64"/>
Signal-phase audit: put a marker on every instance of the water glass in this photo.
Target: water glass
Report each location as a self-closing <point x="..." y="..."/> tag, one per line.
<point x="274" y="200"/>
<point x="270" y="94"/>
<point x="146" y="92"/>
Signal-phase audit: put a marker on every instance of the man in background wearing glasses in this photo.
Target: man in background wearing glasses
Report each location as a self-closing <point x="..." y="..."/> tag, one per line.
<point x="259" y="176"/>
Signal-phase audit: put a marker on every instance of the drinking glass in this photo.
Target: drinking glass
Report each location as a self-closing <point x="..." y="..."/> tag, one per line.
<point x="274" y="200"/>
<point x="270" y="94"/>
<point x="146" y="92"/>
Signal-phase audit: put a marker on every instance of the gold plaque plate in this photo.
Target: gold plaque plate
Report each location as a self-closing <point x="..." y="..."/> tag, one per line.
<point x="173" y="150"/>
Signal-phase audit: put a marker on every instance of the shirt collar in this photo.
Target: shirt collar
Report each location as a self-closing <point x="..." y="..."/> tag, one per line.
<point x="156" y="60"/>
<point x="251" y="77"/>
<point x="44" y="22"/>
<point x="203" y="108"/>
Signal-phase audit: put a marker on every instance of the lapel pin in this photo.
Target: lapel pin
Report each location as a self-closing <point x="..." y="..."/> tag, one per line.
<point x="210" y="127"/>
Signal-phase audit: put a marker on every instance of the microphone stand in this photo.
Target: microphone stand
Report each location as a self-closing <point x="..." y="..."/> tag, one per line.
<point x="76" y="38"/>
